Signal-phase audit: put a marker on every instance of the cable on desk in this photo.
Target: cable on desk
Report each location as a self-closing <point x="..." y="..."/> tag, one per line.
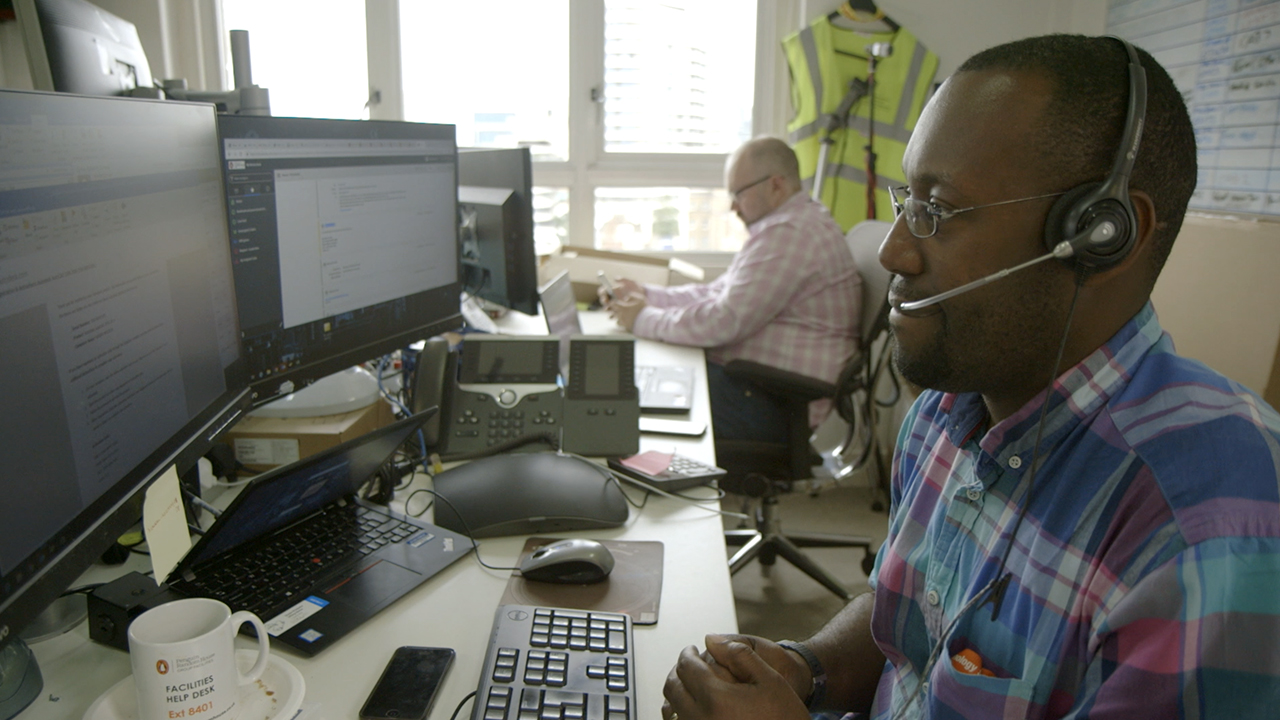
<point x="381" y="367"/>
<point x="200" y="503"/>
<point x="697" y="503"/>
<point x="423" y="510"/>
<point x="466" y="530"/>
<point x="461" y="705"/>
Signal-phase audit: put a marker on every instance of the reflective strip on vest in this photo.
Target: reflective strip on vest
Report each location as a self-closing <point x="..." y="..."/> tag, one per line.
<point x="822" y="59"/>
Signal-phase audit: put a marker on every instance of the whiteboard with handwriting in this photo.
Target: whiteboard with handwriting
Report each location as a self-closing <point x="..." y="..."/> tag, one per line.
<point x="1224" y="55"/>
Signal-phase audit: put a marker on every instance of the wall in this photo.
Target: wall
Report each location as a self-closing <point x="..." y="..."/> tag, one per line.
<point x="1219" y="298"/>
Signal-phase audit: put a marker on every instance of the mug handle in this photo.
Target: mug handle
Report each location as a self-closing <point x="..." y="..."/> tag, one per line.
<point x="264" y="644"/>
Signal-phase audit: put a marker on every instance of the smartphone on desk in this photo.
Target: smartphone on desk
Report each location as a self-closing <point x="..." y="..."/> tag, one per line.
<point x="408" y="685"/>
<point x="608" y="286"/>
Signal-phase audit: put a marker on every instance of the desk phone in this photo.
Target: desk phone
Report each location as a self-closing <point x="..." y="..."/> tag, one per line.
<point x="508" y="387"/>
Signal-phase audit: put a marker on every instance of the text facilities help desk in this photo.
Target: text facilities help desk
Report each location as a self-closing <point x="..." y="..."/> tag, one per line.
<point x="455" y="608"/>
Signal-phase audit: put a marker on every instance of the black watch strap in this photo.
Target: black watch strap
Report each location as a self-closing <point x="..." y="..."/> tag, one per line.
<point x="819" y="688"/>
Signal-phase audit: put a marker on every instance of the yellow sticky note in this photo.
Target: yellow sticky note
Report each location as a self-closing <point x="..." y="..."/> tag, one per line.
<point x="165" y="524"/>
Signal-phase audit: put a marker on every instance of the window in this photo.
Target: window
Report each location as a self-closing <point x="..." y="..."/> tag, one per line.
<point x="672" y="83"/>
<point x="310" y="56"/>
<point x="498" y="70"/>
<point x="665" y="219"/>
<point x="628" y="106"/>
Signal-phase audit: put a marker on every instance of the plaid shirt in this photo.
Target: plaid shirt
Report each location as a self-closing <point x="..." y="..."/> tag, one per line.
<point x="790" y="299"/>
<point x="1146" y="574"/>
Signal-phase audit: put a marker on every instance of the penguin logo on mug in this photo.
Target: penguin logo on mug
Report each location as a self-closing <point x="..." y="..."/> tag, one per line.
<point x="162" y="667"/>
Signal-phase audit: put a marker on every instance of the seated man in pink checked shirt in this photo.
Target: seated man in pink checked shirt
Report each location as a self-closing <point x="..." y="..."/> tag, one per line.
<point x="790" y="298"/>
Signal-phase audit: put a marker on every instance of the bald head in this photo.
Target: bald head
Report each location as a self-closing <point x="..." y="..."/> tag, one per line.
<point x="768" y="156"/>
<point x="761" y="176"/>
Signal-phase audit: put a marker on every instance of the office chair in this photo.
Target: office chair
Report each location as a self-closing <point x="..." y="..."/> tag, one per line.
<point x="766" y="470"/>
<point x="856" y="400"/>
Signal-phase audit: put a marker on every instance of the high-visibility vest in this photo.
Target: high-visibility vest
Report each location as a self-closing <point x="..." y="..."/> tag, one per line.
<point x="823" y="58"/>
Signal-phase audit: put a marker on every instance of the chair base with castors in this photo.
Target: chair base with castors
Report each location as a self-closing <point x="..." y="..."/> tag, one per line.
<point x="766" y="542"/>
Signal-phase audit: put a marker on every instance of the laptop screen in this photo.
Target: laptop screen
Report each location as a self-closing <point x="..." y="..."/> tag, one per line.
<point x="561" y="311"/>
<point x="295" y="491"/>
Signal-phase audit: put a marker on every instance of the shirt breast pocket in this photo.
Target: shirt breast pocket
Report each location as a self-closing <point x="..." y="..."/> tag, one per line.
<point x="960" y="693"/>
<point x="977" y="674"/>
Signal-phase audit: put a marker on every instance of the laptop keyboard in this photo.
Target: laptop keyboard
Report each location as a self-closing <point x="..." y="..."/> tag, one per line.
<point x="655" y="384"/>
<point x="547" y="663"/>
<point x="293" y="560"/>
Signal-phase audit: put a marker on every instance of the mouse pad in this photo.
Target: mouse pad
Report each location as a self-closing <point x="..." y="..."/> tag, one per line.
<point x="634" y="587"/>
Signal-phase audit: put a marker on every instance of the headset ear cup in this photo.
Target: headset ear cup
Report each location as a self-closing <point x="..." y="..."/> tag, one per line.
<point x="1055" y="224"/>
<point x="1079" y="209"/>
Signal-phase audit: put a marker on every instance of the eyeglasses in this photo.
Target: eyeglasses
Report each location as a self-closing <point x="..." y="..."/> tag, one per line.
<point x="923" y="216"/>
<point x="737" y="194"/>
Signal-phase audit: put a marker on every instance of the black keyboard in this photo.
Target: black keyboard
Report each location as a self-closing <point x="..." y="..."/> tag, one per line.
<point x="276" y="572"/>
<point x="557" y="664"/>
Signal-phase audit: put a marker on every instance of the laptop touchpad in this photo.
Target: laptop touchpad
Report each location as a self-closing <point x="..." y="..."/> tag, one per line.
<point x="373" y="584"/>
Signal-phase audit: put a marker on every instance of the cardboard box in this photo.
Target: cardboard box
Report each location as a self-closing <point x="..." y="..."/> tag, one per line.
<point x="584" y="263"/>
<point x="262" y="443"/>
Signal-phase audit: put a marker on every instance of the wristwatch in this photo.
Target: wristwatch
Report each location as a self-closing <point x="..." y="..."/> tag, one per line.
<point x="819" y="688"/>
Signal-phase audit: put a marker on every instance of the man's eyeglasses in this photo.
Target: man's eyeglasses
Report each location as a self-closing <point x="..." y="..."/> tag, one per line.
<point x="923" y="216"/>
<point x="737" y="194"/>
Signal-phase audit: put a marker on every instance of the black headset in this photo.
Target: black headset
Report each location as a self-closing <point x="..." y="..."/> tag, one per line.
<point x="1097" y="219"/>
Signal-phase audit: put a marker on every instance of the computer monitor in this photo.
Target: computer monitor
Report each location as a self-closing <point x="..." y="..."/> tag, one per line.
<point x="75" y="46"/>
<point x="119" y="348"/>
<point x="344" y="241"/>
<point x="495" y="195"/>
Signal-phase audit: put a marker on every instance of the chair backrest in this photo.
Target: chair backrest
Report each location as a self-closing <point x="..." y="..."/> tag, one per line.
<point x="864" y="242"/>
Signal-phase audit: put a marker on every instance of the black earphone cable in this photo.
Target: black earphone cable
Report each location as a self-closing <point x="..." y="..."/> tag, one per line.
<point x="993" y="592"/>
<point x="1002" y="582"/>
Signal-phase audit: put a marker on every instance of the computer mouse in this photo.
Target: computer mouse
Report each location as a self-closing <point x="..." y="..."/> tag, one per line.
<point x="576" y="561"/>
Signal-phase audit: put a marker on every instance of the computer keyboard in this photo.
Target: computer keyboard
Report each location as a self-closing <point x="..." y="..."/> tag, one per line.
<point x="557" y="664"/>
<point x="292" y="561"/>
<point x="665" y="388"/>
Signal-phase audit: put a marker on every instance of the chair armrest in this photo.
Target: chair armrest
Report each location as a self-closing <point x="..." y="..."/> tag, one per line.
<point x="787" y="385"/>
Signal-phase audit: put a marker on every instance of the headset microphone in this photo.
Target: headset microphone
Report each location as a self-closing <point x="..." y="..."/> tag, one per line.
<point x="1064" y="250"/>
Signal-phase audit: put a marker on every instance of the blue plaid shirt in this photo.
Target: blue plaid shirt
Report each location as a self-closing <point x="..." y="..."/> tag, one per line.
<point x="1145" y="575"/>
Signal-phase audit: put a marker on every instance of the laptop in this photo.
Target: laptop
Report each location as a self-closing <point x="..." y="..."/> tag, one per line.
<point x="663" y="388"/>
<point x="298" y="548"/>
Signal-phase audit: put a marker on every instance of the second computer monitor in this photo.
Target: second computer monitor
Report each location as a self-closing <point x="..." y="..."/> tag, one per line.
<point x="344" y="241"/>
<point x="74" y="46"/>
<point x="495" y="194"/>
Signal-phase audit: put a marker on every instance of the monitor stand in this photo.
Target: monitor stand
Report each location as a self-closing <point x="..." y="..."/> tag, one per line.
<point x="20" y="681"/>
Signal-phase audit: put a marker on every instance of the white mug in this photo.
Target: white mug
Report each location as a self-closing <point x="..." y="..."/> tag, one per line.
<point x="184" y="663"/>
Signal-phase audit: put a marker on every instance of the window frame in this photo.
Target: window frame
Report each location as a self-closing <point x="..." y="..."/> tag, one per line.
<point x="589" y="167"/>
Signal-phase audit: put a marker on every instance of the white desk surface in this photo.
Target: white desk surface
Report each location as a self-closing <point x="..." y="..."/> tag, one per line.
<point x="455" y="608"/>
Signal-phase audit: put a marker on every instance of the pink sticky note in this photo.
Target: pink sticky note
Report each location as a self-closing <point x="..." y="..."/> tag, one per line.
<point x="650" y="463"/>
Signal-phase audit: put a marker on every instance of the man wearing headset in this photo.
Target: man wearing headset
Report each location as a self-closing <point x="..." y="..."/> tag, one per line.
<point x="1112" y="552"/>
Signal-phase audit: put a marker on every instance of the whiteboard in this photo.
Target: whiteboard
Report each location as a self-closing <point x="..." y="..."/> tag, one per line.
<point x="1224" y="55"/>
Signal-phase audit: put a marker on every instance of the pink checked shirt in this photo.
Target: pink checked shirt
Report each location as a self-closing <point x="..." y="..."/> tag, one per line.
<point x="790" y="299"/>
